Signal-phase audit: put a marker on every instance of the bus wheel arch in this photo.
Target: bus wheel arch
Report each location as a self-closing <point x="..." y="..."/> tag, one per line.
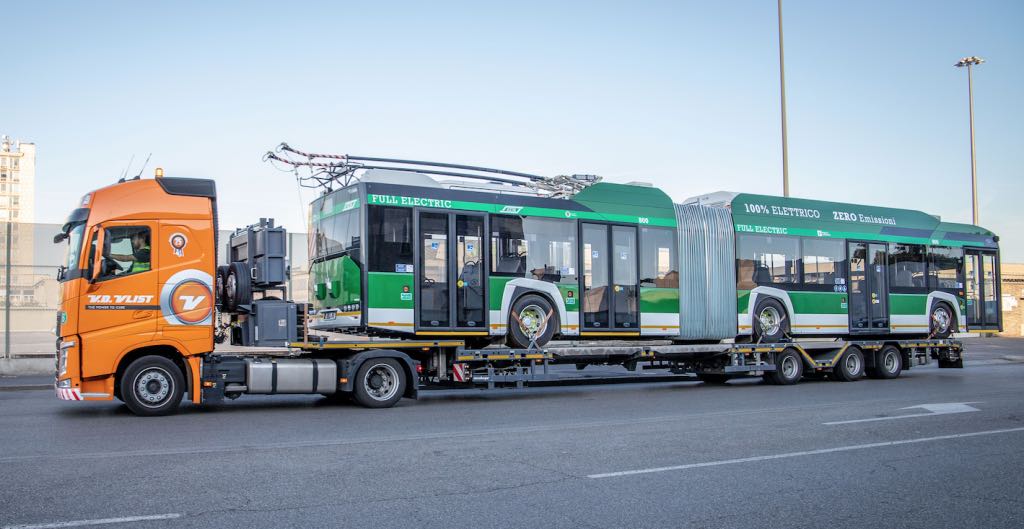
<point x="942" y="318"/>
<point x="771" y="319"/>
<point x="528" y="306"/>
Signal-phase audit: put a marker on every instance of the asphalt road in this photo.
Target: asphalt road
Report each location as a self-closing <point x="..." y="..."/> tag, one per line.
<point x="676" y="454"/>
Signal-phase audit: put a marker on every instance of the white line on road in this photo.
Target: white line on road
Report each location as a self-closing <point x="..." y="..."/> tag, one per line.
<point x="100" y="521"/>
<point x="944" y="408"/>
<point x="800" y="454"/>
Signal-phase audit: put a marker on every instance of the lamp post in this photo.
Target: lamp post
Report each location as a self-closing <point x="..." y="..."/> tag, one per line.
<point x="782" y="85"/>
<point x="970" y="62"/>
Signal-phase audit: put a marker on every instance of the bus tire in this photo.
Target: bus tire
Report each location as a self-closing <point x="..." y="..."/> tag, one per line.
<point x="941" y="320"/>
<point x="379" y="383"/>
<point x="789" y="369"/>
<point x="771" y="322"/>
<point x="713" y="378"/>
<point x="152" y="386"/>
<point x="531" y="308"/>
<point x="850" y="366"/>
<point x="888" y="363"/>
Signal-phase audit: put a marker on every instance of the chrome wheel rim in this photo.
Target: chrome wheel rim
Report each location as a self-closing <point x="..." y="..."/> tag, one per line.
<point x="853" y="364"/>
<point x="890" y="361"/>
<point x="381" y="382"/>
<point x="531" y="319"/>
<point x="153" y="386"/>
<point x="941" y="318"/>
<point x="770" y="320"/>
<point x="789" y="367"/>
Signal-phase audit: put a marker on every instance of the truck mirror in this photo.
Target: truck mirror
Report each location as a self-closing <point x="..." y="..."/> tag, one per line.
<point x="97" y="258"/>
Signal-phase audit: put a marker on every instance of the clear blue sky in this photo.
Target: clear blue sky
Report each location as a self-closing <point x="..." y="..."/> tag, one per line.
<point x="680" y="94"/>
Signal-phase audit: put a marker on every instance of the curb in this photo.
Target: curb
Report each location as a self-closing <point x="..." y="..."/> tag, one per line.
<point x="26" y="387"/>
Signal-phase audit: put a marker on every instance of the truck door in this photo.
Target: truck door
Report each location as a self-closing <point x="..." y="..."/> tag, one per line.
<point x="188" y="261"/>
<point x="119" y="307"/>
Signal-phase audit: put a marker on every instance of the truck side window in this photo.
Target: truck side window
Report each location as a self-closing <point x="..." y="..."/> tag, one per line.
<point x="126" y="251"/>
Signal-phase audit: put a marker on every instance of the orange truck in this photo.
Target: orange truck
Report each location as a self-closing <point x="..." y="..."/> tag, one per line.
<point x="143" y="302"/>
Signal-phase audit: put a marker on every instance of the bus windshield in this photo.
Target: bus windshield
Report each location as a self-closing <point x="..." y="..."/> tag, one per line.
<point x="335" y="234"/>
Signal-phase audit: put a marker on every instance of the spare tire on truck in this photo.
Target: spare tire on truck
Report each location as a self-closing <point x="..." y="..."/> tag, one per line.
<point x="237" y="287"/>
<point x="219" y="286"/>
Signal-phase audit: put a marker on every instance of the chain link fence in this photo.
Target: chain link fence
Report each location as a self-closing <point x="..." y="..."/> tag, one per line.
<point x="30" y="293"/>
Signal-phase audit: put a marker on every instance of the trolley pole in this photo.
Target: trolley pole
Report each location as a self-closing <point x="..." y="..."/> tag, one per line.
<point x="782" y="85"/>
<point x="970" y="62"/>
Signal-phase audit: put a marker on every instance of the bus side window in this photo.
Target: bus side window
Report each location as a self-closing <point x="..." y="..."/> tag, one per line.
<point x="907" y="266"/>
<point x="390" y="239"/>
<point x="508" y="246"/>
<point x="658" y="266"/>
<point x="767" y="259"/>
<point x="822" y="260"/>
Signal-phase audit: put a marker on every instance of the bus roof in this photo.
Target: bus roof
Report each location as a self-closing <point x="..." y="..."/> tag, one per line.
<point x="798" y="216"/>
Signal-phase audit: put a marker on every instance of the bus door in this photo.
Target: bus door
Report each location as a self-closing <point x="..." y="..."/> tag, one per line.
<point x="868" y="289"/>
<point x="451" y="272"/>
<point x="980" y="289"/>
<point x="609" y="279"/>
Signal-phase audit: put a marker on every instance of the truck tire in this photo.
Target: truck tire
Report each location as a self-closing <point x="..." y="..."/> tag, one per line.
<point x="850" y="366"/>
<point x="152" y="386"/>
<point x="789" y="368"/>
<point x="237" y="287"/>
<point x="770" y="323"/>
<point x="533" y="311"/>
<point x="888" y="363"/>
<point x="941" y="320"/>
<point x="219" y="286"/>
<point x="379" y="383"/>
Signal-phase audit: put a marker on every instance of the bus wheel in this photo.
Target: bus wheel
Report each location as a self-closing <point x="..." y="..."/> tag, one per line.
<point x="152" y="385"/>
<point x="888" y="363"/>
<point x="380" y="383"/>
<point x="789" y="368"/>
<point x="531" y="315"/>
<point x="770" y="323"/>
<point x="850" y="366"/>
<point x="940" y="321"/>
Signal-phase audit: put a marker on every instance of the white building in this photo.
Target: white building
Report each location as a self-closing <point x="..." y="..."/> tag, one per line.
<point x="17" y="180"/>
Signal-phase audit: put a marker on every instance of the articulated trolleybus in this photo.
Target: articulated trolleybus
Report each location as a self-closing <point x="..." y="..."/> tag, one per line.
<point x="404" y="253"/>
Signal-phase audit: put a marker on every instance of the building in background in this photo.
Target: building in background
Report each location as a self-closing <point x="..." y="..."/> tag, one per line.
<point x="17" y="180"/>
<point x="1012" y="278"/>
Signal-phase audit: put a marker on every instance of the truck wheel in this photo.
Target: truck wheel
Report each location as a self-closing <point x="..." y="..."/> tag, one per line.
<point x="789" y="368"/>
<point x="770" y="324"/>
<point x="713" y="378"/>
<point x="888" y="363"/>
<point x="237" y="287"/>
<point x="533" y="311"/>
<point x="940" y="321"/>
<point x="152" y="385"/>
<point x="380" y="383"/>
<point x="850" y="366"/>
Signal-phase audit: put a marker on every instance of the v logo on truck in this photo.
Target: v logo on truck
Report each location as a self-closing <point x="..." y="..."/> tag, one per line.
<point x="187" y="298"/>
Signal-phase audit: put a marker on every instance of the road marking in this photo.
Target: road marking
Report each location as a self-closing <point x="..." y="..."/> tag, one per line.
<point x="801" y="454"/>
<point x="99" y="521"/>
<point x="942" y="408"/>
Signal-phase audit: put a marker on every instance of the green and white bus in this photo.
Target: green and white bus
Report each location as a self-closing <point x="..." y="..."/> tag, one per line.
<point x="403" y="253"/>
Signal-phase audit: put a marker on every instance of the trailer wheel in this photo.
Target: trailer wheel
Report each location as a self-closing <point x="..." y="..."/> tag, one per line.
<point x="850" y="366"/>
<point x="789" y="368"/>
<point x="380" y="383"/>
<point x="940" y="321"/>
<point x="771" y="323"/>
<point x="951" y="364"/>
<point x="535" y="316"/>
<point x="713" y="378"/>
<point x="152" y="385"/>
<point x="888" y="363"/>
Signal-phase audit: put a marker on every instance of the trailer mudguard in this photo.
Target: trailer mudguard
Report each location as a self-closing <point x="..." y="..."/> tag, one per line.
<point x="348" y="367"/>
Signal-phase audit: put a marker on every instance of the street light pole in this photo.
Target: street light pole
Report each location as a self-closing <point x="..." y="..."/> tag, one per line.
<point x="782" y="85"/>
<point x="970" y="62"/>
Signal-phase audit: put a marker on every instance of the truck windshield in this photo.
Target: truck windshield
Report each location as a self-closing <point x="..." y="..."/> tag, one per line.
<point x="74" y="249"/>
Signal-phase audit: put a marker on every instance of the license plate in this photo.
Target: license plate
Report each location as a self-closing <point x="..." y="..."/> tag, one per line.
<point x="328" y="316"/>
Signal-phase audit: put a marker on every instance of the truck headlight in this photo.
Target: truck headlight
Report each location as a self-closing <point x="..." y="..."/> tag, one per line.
<point x="62" y="357"/>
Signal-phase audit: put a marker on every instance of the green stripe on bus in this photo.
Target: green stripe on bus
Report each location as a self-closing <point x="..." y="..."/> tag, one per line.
<point x="818" y="302"/>
<point x="661" y="300"/>
<point x="908" y="304"/>
<point x="390" y="290"/>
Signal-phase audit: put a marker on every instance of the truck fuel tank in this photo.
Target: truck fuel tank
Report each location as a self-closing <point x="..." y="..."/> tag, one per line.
<point x="291" y="375"/>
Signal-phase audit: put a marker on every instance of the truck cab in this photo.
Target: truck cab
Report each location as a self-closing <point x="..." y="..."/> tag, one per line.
<point x="137" y="302"/>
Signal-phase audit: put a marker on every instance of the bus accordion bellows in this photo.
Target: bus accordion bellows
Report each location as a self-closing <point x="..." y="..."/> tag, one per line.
<point x="400" y="253"/>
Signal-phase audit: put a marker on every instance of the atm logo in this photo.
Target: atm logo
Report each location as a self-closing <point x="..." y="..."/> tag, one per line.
<point x="187" y="298"/>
